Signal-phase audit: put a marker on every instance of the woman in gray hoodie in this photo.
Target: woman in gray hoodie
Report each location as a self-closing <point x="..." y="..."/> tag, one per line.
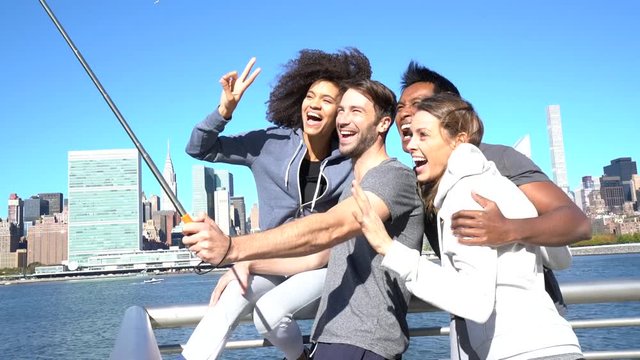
<point x="298" y="170"/>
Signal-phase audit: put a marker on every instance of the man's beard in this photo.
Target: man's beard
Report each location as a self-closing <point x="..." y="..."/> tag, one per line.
<point x="361" y="146"/>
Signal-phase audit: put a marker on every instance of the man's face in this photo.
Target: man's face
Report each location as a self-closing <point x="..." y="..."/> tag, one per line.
<point x="356" y="124"/>
<point x="406" y="108"/>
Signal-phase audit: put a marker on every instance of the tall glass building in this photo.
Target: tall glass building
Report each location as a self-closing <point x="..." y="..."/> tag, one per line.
<point x="104" y="203"/>
<point x="202" y="191"/>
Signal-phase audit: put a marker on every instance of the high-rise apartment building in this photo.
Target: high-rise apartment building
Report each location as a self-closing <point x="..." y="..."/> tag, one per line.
<point x="556" y="146"/>
<point x="54" y="201"/>
<point x="104" y="203"/>
<point x="202" y="190"/>
<point x="169" y="176"/>
<point x="239" y="215"/>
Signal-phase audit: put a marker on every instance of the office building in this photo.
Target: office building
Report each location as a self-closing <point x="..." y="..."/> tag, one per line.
<point x="54" y="202"/>
<point x="9" y="238"/>
<point x="15" y="212"/>
<point x="165" y="221"/>
<point x="47" y="241"/>
<point x="624" y="168"/>
<point x="169" y="176"/>
<point x="202" y="190"/>
<point x="224" y="180"/>
<point x="222" y="210"/>
<point x="238" y="215"/>
<point x="34" y="207"/>
<point x="556" y="146"/>
<point x="612" y="193"/>
<point x="104" y="203"/>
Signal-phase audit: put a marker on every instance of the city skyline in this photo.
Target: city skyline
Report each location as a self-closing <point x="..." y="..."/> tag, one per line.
<point x="499" y="56"/>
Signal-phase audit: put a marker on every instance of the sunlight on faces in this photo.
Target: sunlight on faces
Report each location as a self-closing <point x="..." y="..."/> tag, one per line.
<point x="430" y="146"/>
<point x="319" y="109"/>
<point x="356" y="124"/>
<point x="406" y="108"/>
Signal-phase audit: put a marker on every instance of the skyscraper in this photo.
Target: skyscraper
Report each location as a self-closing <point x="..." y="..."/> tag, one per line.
<point x="55" y="202"/>
<point x="624" y="168"/>
<point x="239" y="215"/>
<point x="556" y="146"/>
<point x="34" y="207"/>
<point x="104" y="203"/>
<point x="202" y="191"/>
<point x="224" y="180"/>
<point x="170" y="177"/>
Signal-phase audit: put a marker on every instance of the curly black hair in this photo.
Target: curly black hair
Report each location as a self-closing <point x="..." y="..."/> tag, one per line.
<point x="283" y="107"/>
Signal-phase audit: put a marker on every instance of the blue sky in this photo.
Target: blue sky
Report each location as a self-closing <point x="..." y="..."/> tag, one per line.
<point x="160" y="61"/>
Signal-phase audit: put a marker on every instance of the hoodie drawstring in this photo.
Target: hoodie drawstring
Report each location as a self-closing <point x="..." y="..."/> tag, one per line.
<point x="286" y="173"/>
<point x="315" y="194"/>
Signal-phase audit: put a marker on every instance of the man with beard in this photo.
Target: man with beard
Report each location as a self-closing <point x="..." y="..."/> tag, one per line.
<point x="362" y="313"/>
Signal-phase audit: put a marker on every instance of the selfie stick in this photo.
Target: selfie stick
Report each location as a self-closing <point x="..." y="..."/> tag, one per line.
<point x="163" y="183"/>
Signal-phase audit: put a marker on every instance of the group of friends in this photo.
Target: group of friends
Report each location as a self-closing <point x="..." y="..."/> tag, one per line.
<point x="343" y="222"/>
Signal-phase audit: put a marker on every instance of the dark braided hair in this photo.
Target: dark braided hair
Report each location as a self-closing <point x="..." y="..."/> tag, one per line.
<point x="283" y="107"/>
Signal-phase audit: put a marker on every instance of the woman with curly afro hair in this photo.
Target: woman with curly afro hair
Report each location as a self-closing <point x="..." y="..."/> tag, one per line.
<point x="298" y="170"/>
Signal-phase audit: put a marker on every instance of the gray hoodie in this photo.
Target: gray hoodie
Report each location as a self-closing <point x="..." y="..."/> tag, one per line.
<point x="274" y="156"/>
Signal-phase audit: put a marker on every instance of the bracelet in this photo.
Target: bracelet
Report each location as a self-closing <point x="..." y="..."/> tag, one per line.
<point x="225" y="254"/>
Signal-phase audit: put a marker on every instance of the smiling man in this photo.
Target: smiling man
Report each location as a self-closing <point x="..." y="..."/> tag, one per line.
<point x="363" y="308"/>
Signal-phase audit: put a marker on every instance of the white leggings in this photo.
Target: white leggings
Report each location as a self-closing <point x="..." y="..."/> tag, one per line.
<point x="274" y="300"/>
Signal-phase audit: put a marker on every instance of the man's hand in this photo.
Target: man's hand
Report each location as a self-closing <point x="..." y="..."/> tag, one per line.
<point x="372" y="226"/>
<point x="239" y="272"/>
<point x="233" y="87"/>
<point x="481" y="227"/>
<point x="205" y="239"/>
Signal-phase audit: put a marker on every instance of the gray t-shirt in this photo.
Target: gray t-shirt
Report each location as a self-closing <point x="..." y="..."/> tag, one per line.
<point x="512" y="164"/>
<point x="363" y="304"/>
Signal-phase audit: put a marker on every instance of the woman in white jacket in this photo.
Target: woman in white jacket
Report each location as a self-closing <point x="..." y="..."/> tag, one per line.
<point x="496" y="295"/>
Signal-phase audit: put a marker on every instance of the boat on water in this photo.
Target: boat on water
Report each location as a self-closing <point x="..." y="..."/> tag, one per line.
<point x="153" y="281"/>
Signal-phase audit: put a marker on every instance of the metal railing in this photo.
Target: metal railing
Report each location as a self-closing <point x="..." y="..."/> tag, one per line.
<point x="136" y="339"/>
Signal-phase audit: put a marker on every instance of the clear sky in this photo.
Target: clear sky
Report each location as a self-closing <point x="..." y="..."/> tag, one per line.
<point x="160" y="61"/>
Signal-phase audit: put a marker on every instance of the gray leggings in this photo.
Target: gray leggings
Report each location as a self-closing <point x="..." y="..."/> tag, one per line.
<point x="273" y="299"/>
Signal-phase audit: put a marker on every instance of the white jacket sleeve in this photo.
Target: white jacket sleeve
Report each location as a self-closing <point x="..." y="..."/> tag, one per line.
<point x="465" y="289"/>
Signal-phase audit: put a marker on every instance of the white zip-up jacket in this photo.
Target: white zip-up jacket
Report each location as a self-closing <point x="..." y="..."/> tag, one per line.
<point x="499" y="291"/>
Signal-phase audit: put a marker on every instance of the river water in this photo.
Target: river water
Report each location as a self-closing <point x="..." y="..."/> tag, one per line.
<point x="80" y="319"/>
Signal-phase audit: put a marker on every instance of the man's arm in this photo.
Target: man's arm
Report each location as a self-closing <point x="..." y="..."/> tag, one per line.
<point x="560" y="221"/>
<point x="304" y="236"/>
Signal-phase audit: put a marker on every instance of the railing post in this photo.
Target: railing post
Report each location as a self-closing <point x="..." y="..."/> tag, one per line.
<point x="136" y="339"/>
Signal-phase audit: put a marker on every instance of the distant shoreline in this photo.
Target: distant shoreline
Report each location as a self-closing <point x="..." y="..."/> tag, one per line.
<point x="605" y="249"/>
<point x="575" y="251"/>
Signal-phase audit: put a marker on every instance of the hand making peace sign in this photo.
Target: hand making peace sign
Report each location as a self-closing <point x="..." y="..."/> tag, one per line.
<point x="233" y="87"/>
